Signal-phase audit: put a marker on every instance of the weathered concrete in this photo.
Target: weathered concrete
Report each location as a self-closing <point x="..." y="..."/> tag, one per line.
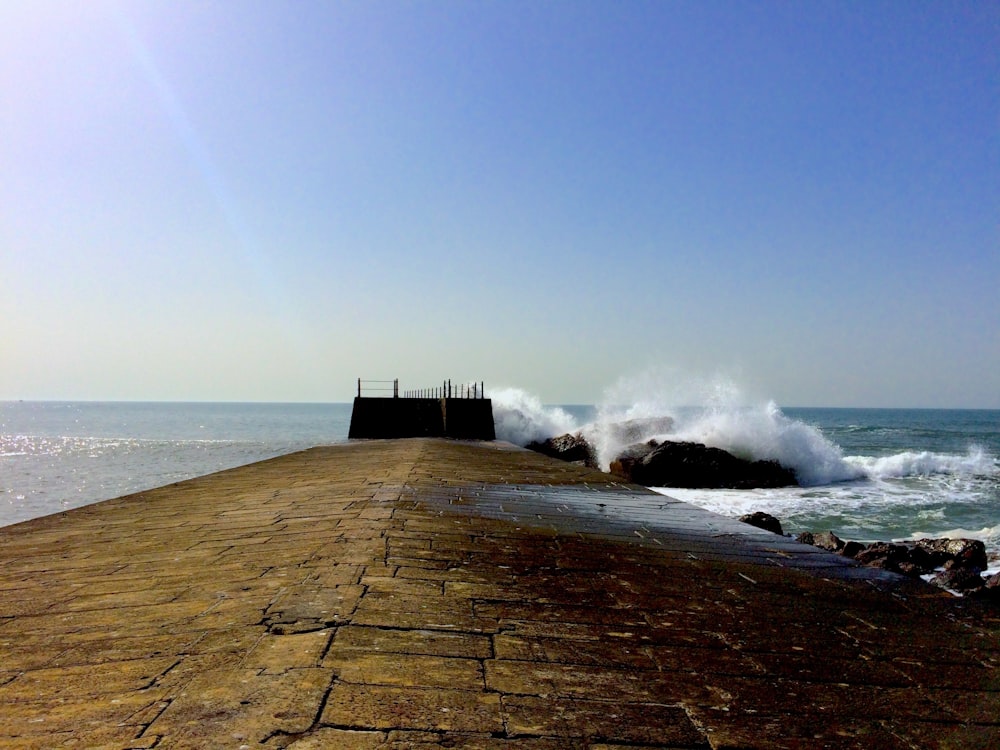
<point x="389" y="418"/>
<point x="430" y="593"/>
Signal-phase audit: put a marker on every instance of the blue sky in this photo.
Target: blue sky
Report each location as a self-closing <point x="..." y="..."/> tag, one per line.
<point x="265" y="201"/>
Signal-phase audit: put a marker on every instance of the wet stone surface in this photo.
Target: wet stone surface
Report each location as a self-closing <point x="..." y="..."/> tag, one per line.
<point x="429" y="593"/>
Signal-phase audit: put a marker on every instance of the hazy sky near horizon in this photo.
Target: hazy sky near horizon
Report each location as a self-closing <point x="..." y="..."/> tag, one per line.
<point x="263" y="201"/>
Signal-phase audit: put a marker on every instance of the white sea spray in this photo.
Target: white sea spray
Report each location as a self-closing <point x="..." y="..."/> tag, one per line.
<point x="520" y="417"/>
<point x="716" y="412"/>
<point x="924" y="463"/>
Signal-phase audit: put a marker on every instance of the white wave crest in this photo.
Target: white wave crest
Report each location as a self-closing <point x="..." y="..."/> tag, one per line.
<point x="717" y="413"/>
<point x="925" y="463"/>
<point x="762" y="433"/>
<point x="521" y="418"/>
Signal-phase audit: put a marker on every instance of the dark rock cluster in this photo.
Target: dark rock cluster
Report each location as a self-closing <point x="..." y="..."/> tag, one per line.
<point x="763" y="521"/>
<point x="670" y="464"/>
<point x="693" y="465"/>
<point x="956" y="564"/>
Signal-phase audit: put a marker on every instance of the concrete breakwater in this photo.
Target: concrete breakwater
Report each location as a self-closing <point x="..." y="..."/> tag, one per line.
<point x="436" y="593"/>
<point x="389" y="418"/>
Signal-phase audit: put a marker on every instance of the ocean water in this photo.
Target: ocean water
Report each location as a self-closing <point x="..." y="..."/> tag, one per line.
<point x="891" y="475"/>
<point x="867" y="474"/>
<point x="60" y="455"/>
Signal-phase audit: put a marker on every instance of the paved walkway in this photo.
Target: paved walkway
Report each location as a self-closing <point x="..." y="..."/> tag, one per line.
<point x="426" y="593"/>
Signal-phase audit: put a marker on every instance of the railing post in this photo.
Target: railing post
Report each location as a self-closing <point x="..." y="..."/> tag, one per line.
<point x="395" y="388"/>
<point x="359" y="387"/>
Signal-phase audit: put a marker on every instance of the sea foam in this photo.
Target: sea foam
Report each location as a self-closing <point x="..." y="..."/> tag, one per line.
<point x="520" y="418"/>
<point x="925" y="463"/>
<point x="717" y="413"/>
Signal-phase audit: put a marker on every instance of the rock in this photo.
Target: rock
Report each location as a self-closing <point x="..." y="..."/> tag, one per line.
<point x="828" y="540"/>
<point x="962" y="560"/>
<point x="831" y="542"/>
<point x="921" y="560"/>
<point x="573" y="448"/>
<point x="763" y="521"/>
<point x="963" y="580"/>
<point x="967" y="553"/>
<point x="637" y="451"/>
<point x="990" y="590"/>
<point x="633" y="454"/>
<point x="693" y="465"/>
<point x="851" y="549"/>
<point x="884" y="555"/>
<point x="926" y="556"/>
<point x="907" y="559"/>
<point x="910" y="569"/>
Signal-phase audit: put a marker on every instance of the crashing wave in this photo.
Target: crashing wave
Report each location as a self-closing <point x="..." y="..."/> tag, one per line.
<point x="521" y="418"/>
<point x="724" y="419"/>
<point x="925" y="463"/>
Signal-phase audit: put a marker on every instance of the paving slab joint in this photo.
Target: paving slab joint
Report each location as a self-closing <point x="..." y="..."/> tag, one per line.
<point x="152" y="743"/>
<point x="156" y="679"/>
<point x="692" y="715"/>
<point x="299" y="627"/>
<point x="281" y="738"/>
<point x="163" y="706"/>
<point x="329" y="643"/>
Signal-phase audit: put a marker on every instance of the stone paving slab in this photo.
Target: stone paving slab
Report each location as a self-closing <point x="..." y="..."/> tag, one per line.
<point x="428" y="593"/>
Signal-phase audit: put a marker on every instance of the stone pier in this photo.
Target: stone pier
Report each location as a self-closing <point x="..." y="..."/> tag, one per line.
<point x="430" y="593"/>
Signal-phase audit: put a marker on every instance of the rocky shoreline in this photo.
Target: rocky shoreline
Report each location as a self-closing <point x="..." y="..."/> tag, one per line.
<point x="956" y="565"/>
<point x="670" y="463"/>
<point x="953" y="564"/>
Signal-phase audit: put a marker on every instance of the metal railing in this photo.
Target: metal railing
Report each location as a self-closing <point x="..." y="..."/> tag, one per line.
<point x="390" y="389"/>
<point x="447" y="390"/>
<point x="379" y="388"/>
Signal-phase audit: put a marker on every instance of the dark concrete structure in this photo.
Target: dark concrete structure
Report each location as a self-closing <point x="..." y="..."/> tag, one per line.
<point x="384" y="418"/>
